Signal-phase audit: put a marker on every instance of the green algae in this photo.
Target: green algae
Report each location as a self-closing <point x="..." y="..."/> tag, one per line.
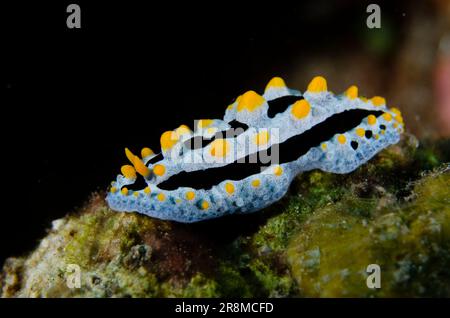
<point x="410" y="242"/>
<point x="315" y="242"/>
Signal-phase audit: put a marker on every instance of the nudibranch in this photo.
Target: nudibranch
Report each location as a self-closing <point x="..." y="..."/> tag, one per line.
<point x="247" y="160"/>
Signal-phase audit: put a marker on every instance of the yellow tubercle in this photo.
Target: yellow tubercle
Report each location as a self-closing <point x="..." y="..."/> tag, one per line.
<point x="387" y="116"/>
<point x="219" y="148"/>
<point x="159" y="170"/>
<point x="128" y="171"/>
<point x="396" y="111"/>
<point x="371" y="120"/>
<point x="205" y="205"/>
<point x="190" y="195"/>
<point x="256" y="183"/>
<point x="399" y="119"/>
<point x="250" y="101"/>
<point x="136" y="194"/>
<point x="183" y="130"/>
<point x="341" y="139"/>
<point x="378" y="101"/>
<point x="140" y="167"/>
<point x="145" y="152"/>
<point x="129" y="155"/>
<point x="229" y="187"/>
<point x="278" y="171"/>
<point x="360" y="132"/>
<point x="275" y="82"/>
<point x="168" y="140"/>
<point x="301" y="109"/>
<point x="113" y="190"/>
<point x="352" y="92"/>
<point x="124" y="191"/>
<point x="161" y="197"/>
<point x="324" y="146"/>
<point x="203" y="123"/>
<point x="147" y="190"/>
<point x="262" y="138"/>
<point x="317" y="85"/>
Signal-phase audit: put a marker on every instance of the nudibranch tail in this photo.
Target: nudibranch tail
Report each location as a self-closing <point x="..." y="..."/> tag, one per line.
<point x="247" y="160"/>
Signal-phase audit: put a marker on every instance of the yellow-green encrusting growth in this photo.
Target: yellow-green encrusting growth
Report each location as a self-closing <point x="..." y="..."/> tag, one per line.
<point x="410" y="242"/>
<point x="317" y="241"/>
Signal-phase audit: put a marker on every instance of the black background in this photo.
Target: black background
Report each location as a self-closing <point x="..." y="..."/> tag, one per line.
<point x="73" y="99"/>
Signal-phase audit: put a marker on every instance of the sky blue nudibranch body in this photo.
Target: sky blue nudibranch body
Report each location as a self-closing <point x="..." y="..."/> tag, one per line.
<point x="190" y="182"/>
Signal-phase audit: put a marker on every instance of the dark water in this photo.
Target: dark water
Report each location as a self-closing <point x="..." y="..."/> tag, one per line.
<point x="75" y="98"/>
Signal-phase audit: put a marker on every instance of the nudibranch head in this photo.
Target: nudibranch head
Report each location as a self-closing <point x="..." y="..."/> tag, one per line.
<point x="247" y="161"/>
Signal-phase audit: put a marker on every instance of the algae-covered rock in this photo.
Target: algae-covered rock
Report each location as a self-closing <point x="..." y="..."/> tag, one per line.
<point x="410" y="242"/>
<point x="317" y="241"/>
